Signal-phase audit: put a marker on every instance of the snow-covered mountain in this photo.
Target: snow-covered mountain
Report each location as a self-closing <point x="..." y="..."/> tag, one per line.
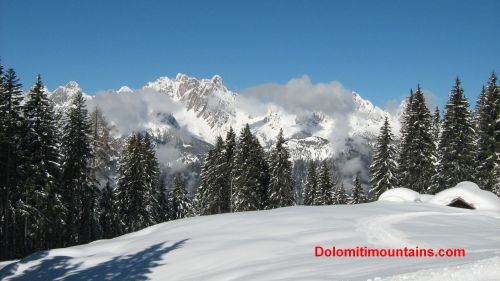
<point x="280" y="244"/>
<point x="189" y="111"/>
<point x="63" y="94"/>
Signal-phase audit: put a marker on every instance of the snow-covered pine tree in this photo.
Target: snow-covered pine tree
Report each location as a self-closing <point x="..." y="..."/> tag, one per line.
<point x="203" y="196"/>
<point x="109" y="217"/>
<point x="358" y="194"/>
<point x="383" y="169"/>
<point x="403" y="149"/>
<point x="281" y="192"/>
<point x="209" y="195"/>
<point x="163" y="198"/>
<point x="336" y="182"/>
<point x="340" y="195"/>
<point x="105" y="149"/>
<point x="12" y="169"/>
<point x="180" y="205"/>
<point x="132" y="194"/>
<point x="80" y="194"/>
<point x="90" y="227"/>
<point x="246" y="174"/>
<point x="324" y="193"/>
<point x="488" y="136"/>
<point x="41" y="145"/>
<point x="311" y="185"/>
<point x="496" y="187"/>
<point x="151" y="175"/>
<point x="229" y="149"/>
<point x="418" y="150"/>
<point x="436" y="125"/>
<point x="456" y="142"/>
<point x="260" y="162"/>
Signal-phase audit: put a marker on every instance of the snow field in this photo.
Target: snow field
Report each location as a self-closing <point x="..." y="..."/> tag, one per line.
<point x="279" y="245"/>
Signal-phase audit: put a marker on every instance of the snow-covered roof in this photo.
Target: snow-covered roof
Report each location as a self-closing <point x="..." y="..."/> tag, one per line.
<point x="469" y="192"/>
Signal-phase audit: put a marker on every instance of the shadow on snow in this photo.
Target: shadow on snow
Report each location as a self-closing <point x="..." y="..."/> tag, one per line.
<point x="129" y="267"/>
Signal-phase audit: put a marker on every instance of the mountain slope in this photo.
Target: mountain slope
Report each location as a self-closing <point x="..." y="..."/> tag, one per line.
<point x="280" y="245"/>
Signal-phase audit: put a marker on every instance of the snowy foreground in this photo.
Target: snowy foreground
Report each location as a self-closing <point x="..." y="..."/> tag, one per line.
<point x="279" y="245"/>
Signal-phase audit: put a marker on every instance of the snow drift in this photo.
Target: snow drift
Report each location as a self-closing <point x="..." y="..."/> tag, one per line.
<point x="400" y="194"/>
<point x="279" y="245"/>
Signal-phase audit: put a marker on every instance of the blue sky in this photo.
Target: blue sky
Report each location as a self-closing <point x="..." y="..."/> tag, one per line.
<point x="380" y="49"/>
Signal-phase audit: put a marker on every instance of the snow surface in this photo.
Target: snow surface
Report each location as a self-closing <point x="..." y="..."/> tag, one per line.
<point x="279" y="245"/>
<point x="468" y="191"/>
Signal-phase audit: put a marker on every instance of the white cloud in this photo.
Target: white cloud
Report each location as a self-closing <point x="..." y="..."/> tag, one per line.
<point x="301" y="97"/>
<point x="132" y="111"/>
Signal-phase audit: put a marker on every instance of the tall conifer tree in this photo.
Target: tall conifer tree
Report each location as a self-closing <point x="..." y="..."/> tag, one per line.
<point x="311" y="184"/>
<point x="456" y="142"/>
<point x="247" y="174"/>
<point x="418" y="150"/>
<point x="358" y="195"/>
<point x="180" y="205"/>
<point x="488" y="136"/>
<point x="79" y="188"/>
<point x="41" y="144"/>
<point x="281" y="192"/>
<point x="324" y="193"/>
<point x="383" y="169"/>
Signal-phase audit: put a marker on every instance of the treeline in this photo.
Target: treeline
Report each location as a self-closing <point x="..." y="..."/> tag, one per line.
<point x="58" y="185"/>
<point x="434" y="153"/>
<point x="238" y="175"/>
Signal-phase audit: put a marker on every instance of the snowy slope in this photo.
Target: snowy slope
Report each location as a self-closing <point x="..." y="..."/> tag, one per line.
<point x="279" y="245"/>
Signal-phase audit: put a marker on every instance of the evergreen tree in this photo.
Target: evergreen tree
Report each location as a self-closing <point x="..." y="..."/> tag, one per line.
<point x="229" y="150"/>
<point x="180" y="205"/>
<point x="281" y="192"/>
<point x="80" y="191"/>
<point x="311" y="185"/>
<point x="358" y="194"/>
<point x="4" y="199"/>
<point x="13" y="167"/>
<point x="488" y="136"/>
<point x="456" y="143"/>
<point x="324" y="194"/>
<point x="131" y="195"/>
<point x="383" y="169"/>
<point x="138" y="184"/>
<point x="403" y="158"/>
<point x="418" y="150"/>
<point x="90" y="227"/>
<point x="109" y="217"/>
<point x="247" y="174"/>
<point x="260" y="162"/>
<point x="213" y="183"/>
<point x="163" y="199"/>
<point x="341" y="196"/>
<point x="151" y="175"/>
<point x="41" y="145"/>
<point x="436" y="125"/>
